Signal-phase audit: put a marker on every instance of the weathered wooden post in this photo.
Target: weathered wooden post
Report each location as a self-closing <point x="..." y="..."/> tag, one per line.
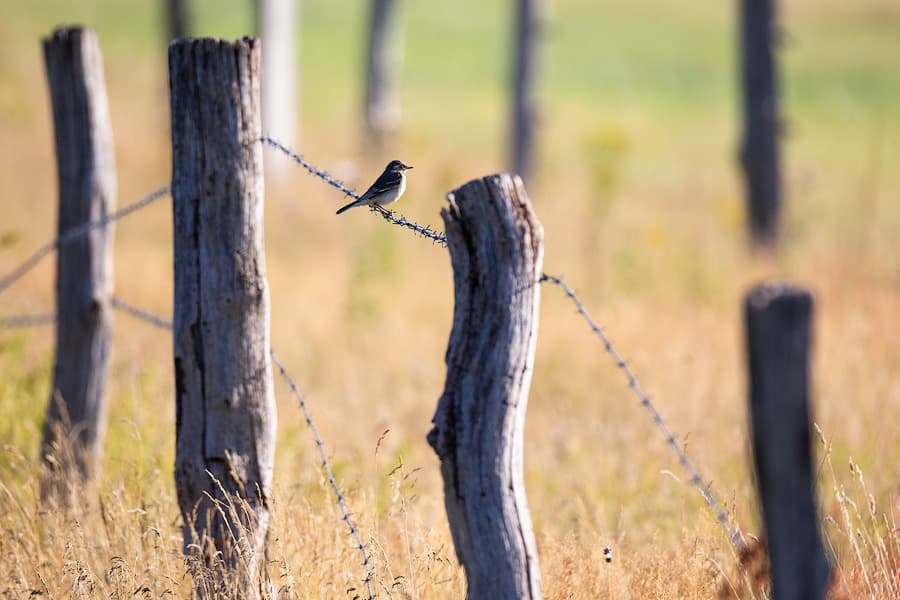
<point x="225" y="404"/>
<point x="382" y="113"/>
<point x="778" y="324"/>
<point x="86" y="169"/>
<point x="496" y="248"/>
<point x="759" y="148"/>
<point x="524" y="103"/>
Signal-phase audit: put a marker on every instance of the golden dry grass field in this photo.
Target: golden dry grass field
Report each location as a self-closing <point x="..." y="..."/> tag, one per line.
<point x="641" y="201"/>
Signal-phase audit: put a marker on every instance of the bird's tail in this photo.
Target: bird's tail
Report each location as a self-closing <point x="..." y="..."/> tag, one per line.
<point x="347" y="207"/>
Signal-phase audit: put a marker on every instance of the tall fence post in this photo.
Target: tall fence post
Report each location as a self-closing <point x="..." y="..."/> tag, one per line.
<point x="778" y="326"/>
<point x="524" y="104"/>
<point x="382" y="114"/>
<point x="496" y="249"/>
<point x="85" y="159"/>
<point x="178" y="19"/>
<point x="280" y="77"/>
<point x="759" y="148"/>
<point x="225" y="404"/>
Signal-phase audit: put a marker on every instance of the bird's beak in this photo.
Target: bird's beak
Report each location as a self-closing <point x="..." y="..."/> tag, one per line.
<point x="407" y="168"/>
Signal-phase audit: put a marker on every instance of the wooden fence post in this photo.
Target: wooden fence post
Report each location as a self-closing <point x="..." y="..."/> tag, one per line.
<point x="85" y="160"/>
<point x="524" y="104"/>
<point x="280" y="77"/>
<point x="778" y="327"/>
<point x="225" y="404"/>
<point x="759" y="148"/>
<point x="382" y="115"/>
<point x="496" y="248"/>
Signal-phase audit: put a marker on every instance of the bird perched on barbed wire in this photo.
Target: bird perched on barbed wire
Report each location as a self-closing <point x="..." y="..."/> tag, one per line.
<point x="388" y="188"/>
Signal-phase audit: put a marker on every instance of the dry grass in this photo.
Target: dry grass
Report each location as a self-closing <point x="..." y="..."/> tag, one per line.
<point x="641" y="206"/>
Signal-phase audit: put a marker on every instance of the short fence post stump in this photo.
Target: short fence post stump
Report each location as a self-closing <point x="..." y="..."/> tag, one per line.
<point x="496" y="248"/>
<point x="85" y="160"/>
<point x="225" y="404"/>
<point x="778" y="325"/>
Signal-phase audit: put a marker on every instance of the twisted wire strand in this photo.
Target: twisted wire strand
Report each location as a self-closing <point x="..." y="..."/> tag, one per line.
<point x="423" y="230"/>
<point x="24" y="321"/>
<point x="327" y="467"/>
<point x="696" y="480"/>
<point x="140" y="313"/>
<point x="75" y="233"/>
<point x="167" y="325"/>
<point x="389" y="215"/>
<point x="324" y="176"/>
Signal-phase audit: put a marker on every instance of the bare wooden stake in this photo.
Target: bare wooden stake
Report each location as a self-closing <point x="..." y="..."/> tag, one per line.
<point x="779" y="332"/>
<point x="382" y="113"/>
<point x="85" y="159"/>
<point x="524" y="103"/>
<point x="280" y="79"/>
<point x="496" y="248"/>
<point x="759" y="149"/>
<point x="225" y="419"/>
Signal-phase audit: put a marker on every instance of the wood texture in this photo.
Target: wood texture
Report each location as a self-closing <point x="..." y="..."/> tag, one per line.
<point x="524" y="102"/>
<point x="86" y="172"/>
<point x="759" y="148"/>
<point x="778" y="324"/>
<point x="382" y="112"/>
<point x="225" y="405"/>
<point x="496" y="248"/>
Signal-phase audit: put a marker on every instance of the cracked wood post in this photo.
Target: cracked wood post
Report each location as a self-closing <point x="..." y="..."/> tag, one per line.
<point x="85" y="160"/>
<point x="496" y="249"/>
<point x="779" y="332"/>
<point x="759" y="149"/>
<point x="225" y="404"/>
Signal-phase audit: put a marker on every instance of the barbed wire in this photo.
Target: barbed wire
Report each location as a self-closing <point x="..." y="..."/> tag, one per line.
<point x="696" y="480"/>
<point x="21" y="321"/>
<point x="38" y="319"/>
<point x="24" y="321"/>
<point x="323" y="175"/>
<point x="76" y="232"/>
<point x="423" y="230"/>
<point x="325" y="465"/>
<point x="389" y="215"/>
<point x="141" y="314"/>
<point x="167" y="325"/>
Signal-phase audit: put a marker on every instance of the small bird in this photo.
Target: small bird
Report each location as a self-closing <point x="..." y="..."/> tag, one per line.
<point x="388" y="188"/>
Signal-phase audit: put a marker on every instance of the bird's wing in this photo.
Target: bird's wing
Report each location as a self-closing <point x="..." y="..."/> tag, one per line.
<point x="385" y="183"/>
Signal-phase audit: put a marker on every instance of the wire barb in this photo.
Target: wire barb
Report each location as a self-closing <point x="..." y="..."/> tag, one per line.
<point x="323" y="456"/>
<point x="75" y="233"/>
<point x="422" y="230"/>
<point x="696" y="480"/>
